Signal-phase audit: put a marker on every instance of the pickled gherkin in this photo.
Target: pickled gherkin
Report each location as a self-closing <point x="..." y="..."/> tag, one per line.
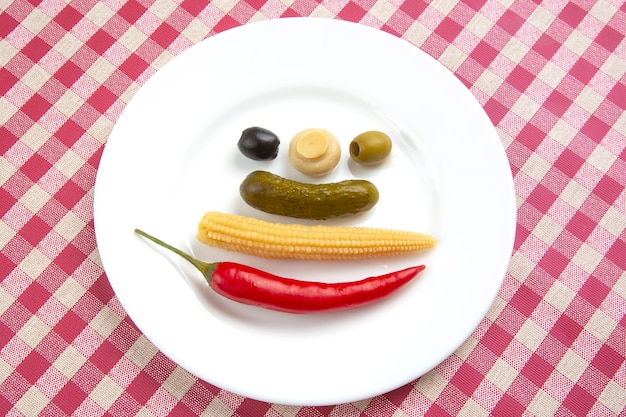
<point x="277" y="195"/>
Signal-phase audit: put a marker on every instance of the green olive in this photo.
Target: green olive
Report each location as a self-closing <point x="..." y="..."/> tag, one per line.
<point x="370" y="148"/>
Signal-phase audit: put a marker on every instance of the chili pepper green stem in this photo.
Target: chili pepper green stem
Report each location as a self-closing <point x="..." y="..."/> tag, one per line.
<point x="204" y="267"/>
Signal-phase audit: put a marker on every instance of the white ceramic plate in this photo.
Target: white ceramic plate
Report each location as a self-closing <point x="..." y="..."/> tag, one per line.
<point x="172" y="156"/>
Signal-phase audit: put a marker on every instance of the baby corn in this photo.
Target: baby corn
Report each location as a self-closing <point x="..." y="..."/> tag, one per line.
<point x="294" y="241"/>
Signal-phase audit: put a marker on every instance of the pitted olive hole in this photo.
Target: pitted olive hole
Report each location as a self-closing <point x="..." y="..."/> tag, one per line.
<point x="355" y="149"/>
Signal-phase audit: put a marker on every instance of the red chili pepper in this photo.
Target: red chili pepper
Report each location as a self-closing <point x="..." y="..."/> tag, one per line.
<point x="252" y="286"/>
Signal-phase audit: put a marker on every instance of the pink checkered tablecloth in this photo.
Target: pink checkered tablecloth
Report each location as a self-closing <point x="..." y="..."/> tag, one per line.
<point x="551" y="76"/>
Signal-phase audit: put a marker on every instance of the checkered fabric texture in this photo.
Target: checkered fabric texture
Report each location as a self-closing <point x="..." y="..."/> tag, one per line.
<point x="550" y="75"/>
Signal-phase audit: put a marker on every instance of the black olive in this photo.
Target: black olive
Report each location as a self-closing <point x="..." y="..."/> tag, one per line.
<point x="258" y="143"/>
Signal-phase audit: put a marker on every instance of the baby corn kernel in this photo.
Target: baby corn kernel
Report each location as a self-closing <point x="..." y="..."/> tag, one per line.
<point x="295" y="241"/>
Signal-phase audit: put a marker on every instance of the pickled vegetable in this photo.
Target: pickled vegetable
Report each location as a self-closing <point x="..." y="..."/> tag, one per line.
<point x="370" y="148"/>
<point x="277" y="195"/>
<point x="314" y="152"/>
<point x="259" y="144"/>
<point x="276" y="240"/>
